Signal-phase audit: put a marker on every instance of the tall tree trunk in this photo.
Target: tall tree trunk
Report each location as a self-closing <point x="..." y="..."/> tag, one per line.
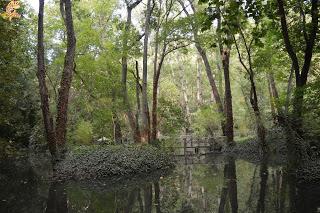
<point x="43" y="90"/>
<point x="138" y="111"/>
<point x="228" y="97"/>
<point x="212" y="82"/>
<point x="155" y="89"/>
<point x="124" y="61"/>
<point x="199" y="83"/>
<point x="145" y="110"/>
<point x="208" y="69"/>
<point x="117" y="134"/>
<point x="261" y="131"/>
<point x="156" y="75"/>
<point x="66" y="79"/>
<point x="228" y="109"/>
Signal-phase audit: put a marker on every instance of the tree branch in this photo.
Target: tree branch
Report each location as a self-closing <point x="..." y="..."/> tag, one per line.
<point x="285" y="34"/>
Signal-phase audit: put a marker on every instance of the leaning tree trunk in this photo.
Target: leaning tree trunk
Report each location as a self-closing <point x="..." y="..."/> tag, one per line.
<point x="212" y="82"/>
<point x="41" y="74"/>
<point x="208" y="69"/>
<point x="65" y="83"/>
<point x="145" y="111"/>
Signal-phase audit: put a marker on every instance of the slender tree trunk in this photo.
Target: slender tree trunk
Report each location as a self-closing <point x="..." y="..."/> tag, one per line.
<point x="272" y="105"/>
<point x="41" y="74"/>
<point x="124" y="60"/>
<point x="117" y="134"/>
<point x="156" y="75"/>
<point x="145" y="110"/>
<point x="138" y="91"/>
<point x="289" y="90"/>
<point x="66" y="79"/>
<point x="228" y="97"/>
<point x="211" y="79"/>
<point x="155" y="90"/>
<point x="220" y="70"/>
<point x="261" y="131"/>
<point x="199" y="83"/>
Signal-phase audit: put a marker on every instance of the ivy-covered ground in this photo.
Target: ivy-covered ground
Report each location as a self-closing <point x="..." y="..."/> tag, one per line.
<point x="99" y="162"/>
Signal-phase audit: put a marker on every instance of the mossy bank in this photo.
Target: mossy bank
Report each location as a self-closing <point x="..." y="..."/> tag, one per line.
<point x="99" y="162"/>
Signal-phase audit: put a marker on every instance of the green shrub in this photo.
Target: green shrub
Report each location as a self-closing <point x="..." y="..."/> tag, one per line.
<point x="83" y="133"/>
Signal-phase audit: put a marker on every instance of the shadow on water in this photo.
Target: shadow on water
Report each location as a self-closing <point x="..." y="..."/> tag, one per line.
<point x="201" y="185"/>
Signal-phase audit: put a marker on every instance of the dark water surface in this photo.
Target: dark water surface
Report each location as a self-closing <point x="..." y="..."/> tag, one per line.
<point x="206" y="184"/>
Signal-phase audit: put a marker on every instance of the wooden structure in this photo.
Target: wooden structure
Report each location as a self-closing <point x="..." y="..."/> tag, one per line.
<point x="189" y="145"/>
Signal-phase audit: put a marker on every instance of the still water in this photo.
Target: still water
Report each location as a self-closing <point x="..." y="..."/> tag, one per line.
<point x="199" y="185"/>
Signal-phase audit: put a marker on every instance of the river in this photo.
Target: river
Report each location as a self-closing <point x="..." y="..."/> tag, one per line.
<point x="203" y="184"/>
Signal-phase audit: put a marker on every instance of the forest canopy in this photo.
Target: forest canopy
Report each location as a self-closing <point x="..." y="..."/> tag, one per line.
<point x="80" y="72"/>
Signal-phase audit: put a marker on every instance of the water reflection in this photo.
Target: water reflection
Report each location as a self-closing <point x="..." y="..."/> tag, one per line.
<point x="229" y="189"/>
<point x="215" y="184"/>
<point x="57" y="199"/>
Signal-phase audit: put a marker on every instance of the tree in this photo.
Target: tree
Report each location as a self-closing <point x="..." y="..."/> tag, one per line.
<point x="133" y="124"/>
<point x="165" y="35"/>
<point x="41" y="74"/>
<point x="56" y="137"/>
<point x="145" y="131"/>
<point x="204" y="57"/>
<point x="309" y="31"/>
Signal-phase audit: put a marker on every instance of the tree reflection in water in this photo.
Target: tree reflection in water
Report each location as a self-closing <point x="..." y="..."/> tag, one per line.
<point x="229" y="189"/>
<point x="57" y="199"/>
<point x="217" y="184"/>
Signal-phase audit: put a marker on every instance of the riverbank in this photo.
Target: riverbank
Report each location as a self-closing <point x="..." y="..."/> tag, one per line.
<point x="99" y="162"/>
